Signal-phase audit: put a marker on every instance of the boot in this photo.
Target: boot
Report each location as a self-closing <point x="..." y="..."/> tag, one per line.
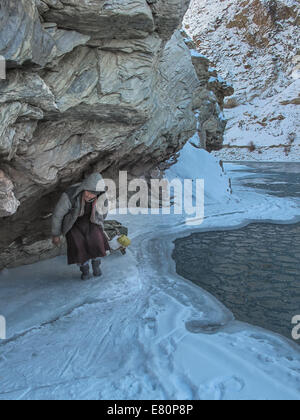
<point x="96" y="268"/>
<point x="85" y="269"/>
<point x="123" y="251"/>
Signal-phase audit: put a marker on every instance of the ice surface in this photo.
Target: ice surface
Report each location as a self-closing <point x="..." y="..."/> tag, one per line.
<point x="142" y="331"/>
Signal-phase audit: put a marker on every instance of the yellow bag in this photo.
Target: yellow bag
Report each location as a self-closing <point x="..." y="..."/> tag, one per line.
<point x="124" y="241"/>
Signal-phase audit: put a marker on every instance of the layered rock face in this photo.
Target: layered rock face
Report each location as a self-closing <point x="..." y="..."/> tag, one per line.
<point x="8" y="202"/>
<point x="92" y="85"/>
<point x="255" y="46"/>
<point x="210" y="102"/>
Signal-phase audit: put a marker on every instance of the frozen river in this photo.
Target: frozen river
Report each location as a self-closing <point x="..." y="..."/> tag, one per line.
<point x="142" y="331"/>
<point x="279" y="179"/>
<point x="253" y="270"/>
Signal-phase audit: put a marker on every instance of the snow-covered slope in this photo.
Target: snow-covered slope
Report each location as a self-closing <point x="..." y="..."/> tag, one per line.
<point x="142" y="331"/>
<point x="198" y="164"/>
<point x="254" y="44"/>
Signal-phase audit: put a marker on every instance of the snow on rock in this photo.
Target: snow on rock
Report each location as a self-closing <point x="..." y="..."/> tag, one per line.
<point x="255" y="46"/>
<point x="195" y="163"/>
<point x="209" y="101"/>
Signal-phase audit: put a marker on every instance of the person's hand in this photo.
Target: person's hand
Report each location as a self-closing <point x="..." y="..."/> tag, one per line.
<point x="56" y="240"/>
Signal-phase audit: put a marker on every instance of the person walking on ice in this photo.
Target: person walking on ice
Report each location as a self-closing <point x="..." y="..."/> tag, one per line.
<point x="79" y="215"/>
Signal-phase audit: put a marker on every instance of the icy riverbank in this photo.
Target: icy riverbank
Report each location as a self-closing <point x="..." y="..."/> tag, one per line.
<point x="144" y="332"/>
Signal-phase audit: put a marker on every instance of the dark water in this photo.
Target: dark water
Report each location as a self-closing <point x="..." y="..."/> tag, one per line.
<point x="255" y="270"/>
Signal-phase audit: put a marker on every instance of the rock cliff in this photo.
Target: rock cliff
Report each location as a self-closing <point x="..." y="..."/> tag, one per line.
<point x="91" y="85"/>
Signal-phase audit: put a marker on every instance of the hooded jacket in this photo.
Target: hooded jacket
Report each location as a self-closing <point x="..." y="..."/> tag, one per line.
<point x="71" y="205"/>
